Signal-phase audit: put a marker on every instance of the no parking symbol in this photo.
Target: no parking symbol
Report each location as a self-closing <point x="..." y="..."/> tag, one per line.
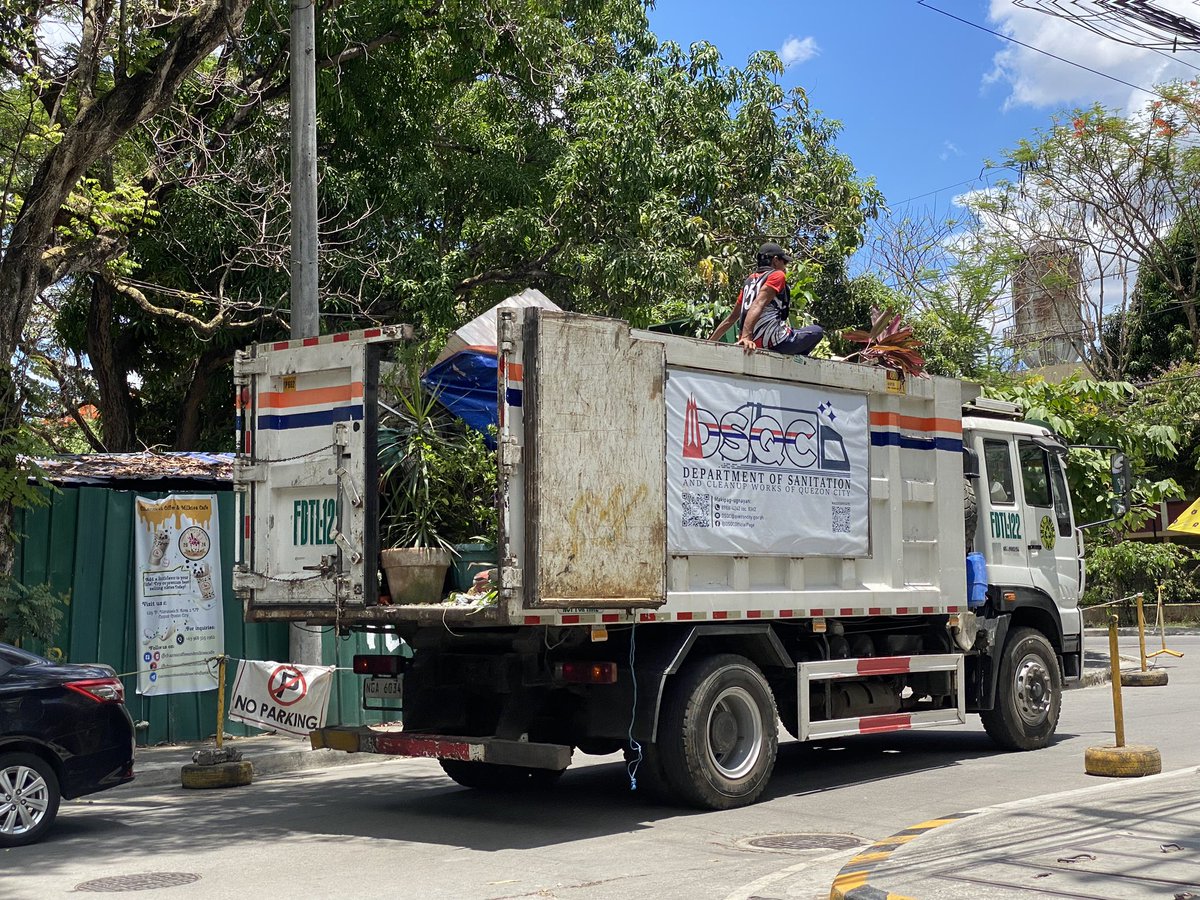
<point x="281" y="695"/>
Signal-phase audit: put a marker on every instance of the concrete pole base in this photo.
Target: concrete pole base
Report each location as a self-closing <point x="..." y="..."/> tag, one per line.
<point x="220" y="775"/>
<point x="1122" y="762"/>
<point x="1149" y="678"/>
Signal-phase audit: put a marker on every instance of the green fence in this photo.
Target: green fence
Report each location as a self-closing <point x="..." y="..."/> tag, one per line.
<point x="81" y="544"/>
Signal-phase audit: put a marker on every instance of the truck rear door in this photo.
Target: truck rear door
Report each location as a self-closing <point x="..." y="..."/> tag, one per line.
<point x="595" y="513"/>
<point x="306" y="458"/>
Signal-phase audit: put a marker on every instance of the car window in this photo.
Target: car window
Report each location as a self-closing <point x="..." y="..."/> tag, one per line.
<point x="1035" y="474"/>
<point x="14" y="657"/>
<point x="998" y="469"/>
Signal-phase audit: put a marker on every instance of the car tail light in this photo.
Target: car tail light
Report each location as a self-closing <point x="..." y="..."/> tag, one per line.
<point x="102" y="690"/>
<point x="368" y="664"/>
<point x="587" y="672"/>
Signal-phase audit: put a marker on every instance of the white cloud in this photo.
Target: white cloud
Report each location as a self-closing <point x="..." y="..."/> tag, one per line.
<point x="1034" y="79"/>
<point x="949" y="149"/>
<point x="798" y="50"/>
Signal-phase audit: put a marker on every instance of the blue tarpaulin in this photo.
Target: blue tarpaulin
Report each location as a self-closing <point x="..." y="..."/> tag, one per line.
<point x="465" y="384"/>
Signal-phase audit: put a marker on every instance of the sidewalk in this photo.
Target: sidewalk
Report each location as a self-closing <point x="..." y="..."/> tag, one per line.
<point x="270" y="754"/>
<point x="1123" y="840"/>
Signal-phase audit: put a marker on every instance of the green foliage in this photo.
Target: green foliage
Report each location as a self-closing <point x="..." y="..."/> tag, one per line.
<point x="29" y="613"/>
<point x="1102" y="413"/>
<point x="437" y="485"/>
<point x="1126" y="567"/>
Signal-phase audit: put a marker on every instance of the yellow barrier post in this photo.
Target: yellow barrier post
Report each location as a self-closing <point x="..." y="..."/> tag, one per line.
<point x="220" y="767"/>
<point x="1162" y="631"/>
<point x="1146" y="677"/>
<point x="221" y="699"/>
<point x="1119" y="761"/>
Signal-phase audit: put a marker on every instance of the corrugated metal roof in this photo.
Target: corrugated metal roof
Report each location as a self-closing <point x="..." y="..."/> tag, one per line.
<point x="105" y="468"/>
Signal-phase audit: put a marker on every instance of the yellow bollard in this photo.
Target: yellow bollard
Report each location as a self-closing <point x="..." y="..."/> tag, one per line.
<point x="1146" y="677"/>
<point x="1119" y="761"/>
<point x="217" y="768"/>
<point x="1162" y="631"/>
<point x="221" y="701"/>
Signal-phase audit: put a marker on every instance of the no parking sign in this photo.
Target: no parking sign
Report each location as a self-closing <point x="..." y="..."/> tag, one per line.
<point x="281" y="696"/>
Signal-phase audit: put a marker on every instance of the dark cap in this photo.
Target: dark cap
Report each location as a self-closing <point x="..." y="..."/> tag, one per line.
<point x="770" y="251"/>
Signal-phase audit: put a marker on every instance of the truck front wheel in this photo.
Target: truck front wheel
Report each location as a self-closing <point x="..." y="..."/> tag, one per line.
<point x="1028" y="694"/>
<point x="717" y="736"/>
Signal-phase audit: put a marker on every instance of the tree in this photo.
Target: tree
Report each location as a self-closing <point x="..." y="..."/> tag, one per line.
<point x="1093" y="208"/>
<point x="1108" y="414"/>
<point x="55" y="220"/>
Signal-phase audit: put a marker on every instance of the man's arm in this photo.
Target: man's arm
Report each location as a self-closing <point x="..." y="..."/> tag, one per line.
<point x="765" y="295"/>
<point x="729" y="320"/>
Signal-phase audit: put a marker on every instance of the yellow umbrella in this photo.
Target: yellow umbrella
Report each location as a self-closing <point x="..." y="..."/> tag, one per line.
<point x="1188" y="521"/>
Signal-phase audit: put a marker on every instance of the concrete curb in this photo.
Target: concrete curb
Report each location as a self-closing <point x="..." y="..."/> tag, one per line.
<point x="853" y="881"/>
<point x="275" y="762"/>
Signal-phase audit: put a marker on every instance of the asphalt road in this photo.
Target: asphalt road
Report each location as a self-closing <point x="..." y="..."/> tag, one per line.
<point x="399" y="828"/>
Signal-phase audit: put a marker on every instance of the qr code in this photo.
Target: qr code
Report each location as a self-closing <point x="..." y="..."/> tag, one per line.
<point x="841" y="520"/>
<point x="697" y="510"/>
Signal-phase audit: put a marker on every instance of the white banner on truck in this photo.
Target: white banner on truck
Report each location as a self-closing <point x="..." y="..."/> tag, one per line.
<point x="180" y="626"/>
<point x="765" y="468"/>
<point x="281" y="696"/>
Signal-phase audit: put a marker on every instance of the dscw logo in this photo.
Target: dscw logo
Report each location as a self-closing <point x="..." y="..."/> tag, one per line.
<point x="757" y="434"/>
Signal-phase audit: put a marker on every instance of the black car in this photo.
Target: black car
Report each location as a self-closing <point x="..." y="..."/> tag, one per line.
<point x="64" y="732"/>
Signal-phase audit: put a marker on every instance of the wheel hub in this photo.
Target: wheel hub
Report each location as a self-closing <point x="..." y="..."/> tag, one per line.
<point x="735" y="733"/>
<point x="26" y="798"/>
<point x="1033" y="690"/>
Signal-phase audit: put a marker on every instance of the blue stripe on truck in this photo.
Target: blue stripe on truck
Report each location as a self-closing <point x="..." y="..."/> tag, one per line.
<point x="309" y="419"/>
<point x="906" y="442"/>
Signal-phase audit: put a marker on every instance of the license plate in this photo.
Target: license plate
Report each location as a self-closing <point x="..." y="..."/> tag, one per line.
<point x="383" y="688"/>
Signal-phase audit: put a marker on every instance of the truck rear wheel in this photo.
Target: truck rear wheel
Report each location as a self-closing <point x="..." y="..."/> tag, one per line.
<point x="1028" y="693"/>
<point x="717" y="737"/>
<point x="492" y="777"/>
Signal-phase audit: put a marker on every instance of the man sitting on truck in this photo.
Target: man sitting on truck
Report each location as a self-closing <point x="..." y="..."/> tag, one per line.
<point x="762" y="309"/>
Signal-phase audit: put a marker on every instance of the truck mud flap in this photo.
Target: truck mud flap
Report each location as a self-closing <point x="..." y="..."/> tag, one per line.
<point x="499" y="751"/>
<point x="839" y="669"/>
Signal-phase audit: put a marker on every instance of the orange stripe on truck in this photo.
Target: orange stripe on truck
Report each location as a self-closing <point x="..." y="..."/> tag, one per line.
<point x="915" y="423"/>
<point x="310" y="397"/>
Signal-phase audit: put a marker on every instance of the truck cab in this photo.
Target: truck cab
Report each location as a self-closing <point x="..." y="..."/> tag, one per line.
<point x="1025" y="526"/>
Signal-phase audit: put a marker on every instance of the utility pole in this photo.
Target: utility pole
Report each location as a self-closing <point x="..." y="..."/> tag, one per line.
<point x="304" y="643"/>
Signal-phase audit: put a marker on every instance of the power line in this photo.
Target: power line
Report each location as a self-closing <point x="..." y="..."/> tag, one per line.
<point x="1063" y="59"/>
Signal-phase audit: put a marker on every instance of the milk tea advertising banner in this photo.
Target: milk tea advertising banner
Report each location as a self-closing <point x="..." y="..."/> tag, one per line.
<point x="177" y="550"/>
<point x="765" y="468"/>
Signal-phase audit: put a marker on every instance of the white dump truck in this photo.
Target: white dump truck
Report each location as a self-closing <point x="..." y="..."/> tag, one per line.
<point x="694" y="543"/>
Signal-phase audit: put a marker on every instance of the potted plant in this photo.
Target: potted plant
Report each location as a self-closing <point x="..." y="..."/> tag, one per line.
<point x="437" y="485"/>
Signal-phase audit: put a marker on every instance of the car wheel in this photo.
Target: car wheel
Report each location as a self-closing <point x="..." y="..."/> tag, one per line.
<point x="29" y="797"/>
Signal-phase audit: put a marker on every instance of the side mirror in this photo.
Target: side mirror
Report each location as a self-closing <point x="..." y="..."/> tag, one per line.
<point x="1122" y="483"/>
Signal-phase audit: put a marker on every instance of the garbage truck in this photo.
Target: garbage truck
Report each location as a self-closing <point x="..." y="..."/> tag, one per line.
<point x="694" y="545"/>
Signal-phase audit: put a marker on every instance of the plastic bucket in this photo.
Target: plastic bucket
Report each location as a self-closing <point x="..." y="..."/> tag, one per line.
<point x="977" y="580"/>
<point x="470" y="561"/>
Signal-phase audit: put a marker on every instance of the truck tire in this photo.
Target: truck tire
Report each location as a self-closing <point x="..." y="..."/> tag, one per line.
<point x="485" y="776"/>
<point x="717" y="736"/>
<point x="970" y="512"/>
<point x="1028" y="693"/>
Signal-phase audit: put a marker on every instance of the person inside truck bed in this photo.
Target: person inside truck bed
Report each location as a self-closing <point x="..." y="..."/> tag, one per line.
<point x="762" y="309"/>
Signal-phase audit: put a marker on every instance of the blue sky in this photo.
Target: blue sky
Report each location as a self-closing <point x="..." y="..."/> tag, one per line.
<point x="925" y="100"/>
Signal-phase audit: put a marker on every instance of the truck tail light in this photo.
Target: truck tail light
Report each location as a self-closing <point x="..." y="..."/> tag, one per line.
<point x="587" y="672"/>
<point x="378" y="664"/>
<point x="102" y="690"/>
